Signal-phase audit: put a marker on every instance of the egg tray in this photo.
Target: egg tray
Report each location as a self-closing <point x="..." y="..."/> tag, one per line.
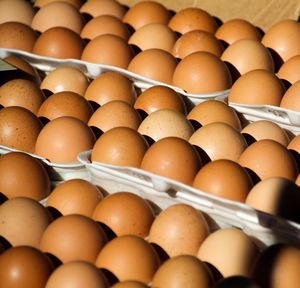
<point x="266" y="228"/>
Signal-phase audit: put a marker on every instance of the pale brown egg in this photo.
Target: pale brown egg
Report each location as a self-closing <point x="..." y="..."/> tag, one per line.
<point x="121" y="146"/>
<point x="130" y="284"/>
<point x="202" y="72"/>
<point x="174" y="158"/>
<point x="230" y="250"/>
<point x="111" y="86"/>
<point x="63" y="138"/>
<point x="129" y="257"/>
<point x="23" y="221"/>
<point x="57" y="14"/>
<point x="146" y="12"/>
<point x="23" y="93"/>
<point x="268" y="158"/>
<point x="166" y="123"/>
<point x="18" y="168"/>
<point x="295" y="144"/>
<point x="197" y="40"/>
<point x="19" y="128"/>
<point x="59" y="42"/>
<point x="16" y="35"/>
<point x="41" y="3"/>
<point x="115" y="114"/>
<point x="257" y="87"/>
<point x="179" y="230"/>
<point x="193" y="18"/>
<point x="219" y="141"/>
<point x="215" y="111"/>
<point x="73" y="237"/>
<point x="125" y="213"/>
<point x="156" y="64"/>
<point x="75" y="196"/>
<point x="108" y="49"/>
<point x="290" y="99"/>
<point x="290" y="70"/>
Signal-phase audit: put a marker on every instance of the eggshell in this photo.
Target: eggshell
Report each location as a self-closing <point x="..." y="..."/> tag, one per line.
<point x="130" y="284"/>
<point x="63" y="138"/>
<point x="25" y="267"/>
<point x="211" y="138"/>
<point x="268" y="158"/>
<point x="156" y="64"/>
<point x="179" y="230"/>
<point x="125" y="213"/>
<point x="41" y="3"/>
<point x="23" y="221"/>
<point x="202" y="72"/>
<point x="290" y="99"/>
<point x="73" y="237"/>
<point x="290" y="70"/>
<point x="172" y="157"/>
<point x="294" y="144"/>
<point x="229" y="250"/>
<point x="129" y="257"/>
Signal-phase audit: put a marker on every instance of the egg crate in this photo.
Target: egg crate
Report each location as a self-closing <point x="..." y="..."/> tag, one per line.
<point x="266" y="228"/>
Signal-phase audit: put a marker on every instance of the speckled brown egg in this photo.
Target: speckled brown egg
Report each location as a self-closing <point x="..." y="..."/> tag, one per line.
<point x="290" y="70"/>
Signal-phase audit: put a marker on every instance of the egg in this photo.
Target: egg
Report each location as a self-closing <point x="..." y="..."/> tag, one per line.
<point x="41" y="3"/>
<point x="73" y="237"/>
<point x="156" y="64"/>
<point x="289" y="70"/>
<point x="179" y="229"/>
<point x="194" y="41"/>
<point x="108" y="49"/>
<point x="290" y="97"/>
<point x="202" y="72"/>
<point x="121" y="146"/>
<point x="125" y="213"/>
<point x="129" y="257"/>
<point x="59" y="42"/>
<point x="294" y="144"/>
<point x="130" y="284"/>
<point x="63" y="138"/>
<point x="75" y="196"/>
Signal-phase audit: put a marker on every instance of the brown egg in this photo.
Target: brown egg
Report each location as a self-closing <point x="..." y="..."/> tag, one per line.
<point x="105" y="24"/>
<point x="189" y="270"/>
<point x="247" y="54"/>
<point x="108" y="49"/>
<point x="59" y="42"/>
<point x="146" y="12"/>
<point x="277" y="196"/>
<point x="265" y="129"/>
<point x="192" y="18"/>
<point x="197" y="40"/>
<point x="154" y="35"/>
<point x="290" y="98"/>
<point x="219" y="141"/>
<point x="295" y="144"/>
<point x="23" y="93"/>
<point x="237" y="29"/>
<point x="96" y="8"/>
<point x="130" y="284"/>
<point x="73" y="237"/>
<point x="297" y="181"/>
<point x="129" y="257"/>
<point x="172" y="157"/>
<point x="160" y="97"/>
<point x="202" y="72"/>
<point x="212" y="110"/>
<point x="18" y="168"/>
<point x="57" y="14"/>
<point x="16" y="11"/>
<point x="41" y="3"/>
<point x="166" y="123"/>
<point x="111" y="86"/>
<point x="75" y="196"/>
<point x="121" y="146"/>
<point x="24" y="266"/>
<point x="16" y="35"/>
<point x="125" y="213"/>
<point x="156" y="64"/>
<point x="23" y="221"/>
<point x="77" y="274"/>
<point x="257" y="87"/>
<point x="65" y="103"/>
<point x="268" y="158"/>
<point x="290" y="70"/>
<point x="63" y="138"/>
<point x="283" y="37"/>
<point x="19" y="128"/>
<point x="65" y="78"/>
<point x="179" y="230"/>
<point x="229" y="250"/>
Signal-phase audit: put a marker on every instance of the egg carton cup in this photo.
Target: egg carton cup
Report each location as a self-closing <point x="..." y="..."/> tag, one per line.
<point x="266" y="228"/>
